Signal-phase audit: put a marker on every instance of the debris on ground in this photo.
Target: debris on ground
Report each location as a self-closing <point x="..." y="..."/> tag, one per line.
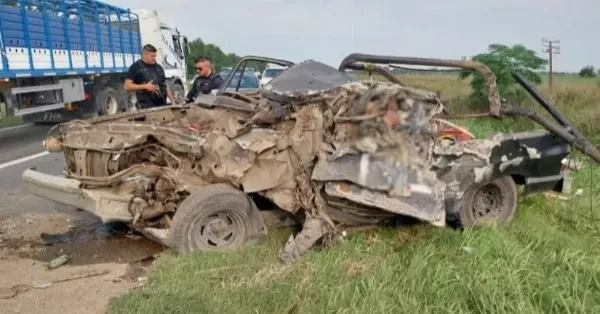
<point x="55" y="238"/>
<point x="563" y="195"/>
<point x="8" y="293"/>
<point x="467" y="249"/>
<point x="133" y="236"/>
<point x="572" y="164"/>
<point x="556" y="195"/>
<point x="23" y="255"/>
<point x="57" y="262"/>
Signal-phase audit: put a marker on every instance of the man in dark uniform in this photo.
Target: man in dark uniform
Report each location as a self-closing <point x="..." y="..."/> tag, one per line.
<point x="147" y="78"/>
<point x="206" y="81"/>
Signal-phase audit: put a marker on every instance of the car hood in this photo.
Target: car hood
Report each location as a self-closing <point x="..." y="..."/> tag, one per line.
<point x="307" y="78"/>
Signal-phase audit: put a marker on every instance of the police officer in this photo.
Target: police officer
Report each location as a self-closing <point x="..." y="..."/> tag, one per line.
<point x="147" y="78"/>
<point x="206" y="81"/>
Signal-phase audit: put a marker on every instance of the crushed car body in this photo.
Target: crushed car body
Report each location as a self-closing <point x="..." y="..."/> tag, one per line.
<point x="331" y="151"/>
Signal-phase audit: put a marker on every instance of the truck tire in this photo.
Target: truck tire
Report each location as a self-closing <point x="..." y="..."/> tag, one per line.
<point x="127" y="100"/>
<point x="489" y="202"/>
<point x="218" y="218"/>
<point x="178" y="91"/>
<point x="106" y="102"/>
<point x="131" y="101"/>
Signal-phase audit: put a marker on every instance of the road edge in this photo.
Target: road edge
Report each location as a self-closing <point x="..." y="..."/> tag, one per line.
<point x="13" y="130"/>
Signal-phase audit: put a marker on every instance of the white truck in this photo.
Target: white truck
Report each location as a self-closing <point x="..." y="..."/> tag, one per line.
<point x="67" y="59"/>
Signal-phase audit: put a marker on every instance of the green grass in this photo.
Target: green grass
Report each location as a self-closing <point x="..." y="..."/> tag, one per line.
<point x="7" y="121"/>
<point x="10" y="121"/>
<point x="546" y="261"/>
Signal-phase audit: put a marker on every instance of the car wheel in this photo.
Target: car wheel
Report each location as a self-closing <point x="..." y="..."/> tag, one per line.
<point x="493" y="202"/>
<point x="217" y="218"/>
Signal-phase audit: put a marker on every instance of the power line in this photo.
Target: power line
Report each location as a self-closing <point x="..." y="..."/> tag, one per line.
<point x="551" y="47"/>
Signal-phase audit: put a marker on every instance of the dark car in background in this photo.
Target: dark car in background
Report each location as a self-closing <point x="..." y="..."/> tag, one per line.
<point x="248" y="81"/>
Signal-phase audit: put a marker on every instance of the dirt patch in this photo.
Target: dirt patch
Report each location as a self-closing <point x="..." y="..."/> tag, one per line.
<point x="104" y="261"/>
<point x="85" y="239"/>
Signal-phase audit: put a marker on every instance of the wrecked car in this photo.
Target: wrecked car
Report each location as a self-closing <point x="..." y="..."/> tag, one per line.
<point x="329" y="151"/>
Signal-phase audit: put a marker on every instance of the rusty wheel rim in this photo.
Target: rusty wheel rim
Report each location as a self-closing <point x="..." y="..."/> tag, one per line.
<point x="220" y="230"/>
<point x="487" y="202"/>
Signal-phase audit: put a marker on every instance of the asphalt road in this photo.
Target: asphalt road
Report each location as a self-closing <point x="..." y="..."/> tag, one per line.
<point x="21" y="148"/>
<point x="21" y="141"/>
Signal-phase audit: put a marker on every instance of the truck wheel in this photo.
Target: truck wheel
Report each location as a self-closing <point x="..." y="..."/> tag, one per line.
<point x="490" y="202"/>
<point x="106" y="101"/>
<point x="178" y="91"/>
<point x="131" y="101"/>
<point x="217" y="218"/>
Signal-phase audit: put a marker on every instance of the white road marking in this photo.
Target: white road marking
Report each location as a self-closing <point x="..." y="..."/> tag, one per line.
<point x="22" y="160"/>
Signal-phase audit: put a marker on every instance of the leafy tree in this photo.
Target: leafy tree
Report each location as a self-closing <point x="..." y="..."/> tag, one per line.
<point x="503" y="60"/>
<point x="219" y="58"/>
<point x="587" y="71"/>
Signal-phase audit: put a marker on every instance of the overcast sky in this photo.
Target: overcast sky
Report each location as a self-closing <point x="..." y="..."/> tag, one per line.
<point x="328" y="30"/>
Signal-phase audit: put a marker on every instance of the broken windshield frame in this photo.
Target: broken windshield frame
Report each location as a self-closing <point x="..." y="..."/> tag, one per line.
<point x="241" y="64"/>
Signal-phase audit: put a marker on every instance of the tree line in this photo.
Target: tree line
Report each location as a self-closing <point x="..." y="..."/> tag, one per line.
<point x="589" y="71"/>
<point x="220" y="59"/>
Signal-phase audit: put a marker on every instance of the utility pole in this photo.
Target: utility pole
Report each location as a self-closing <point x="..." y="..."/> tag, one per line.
<point x="551" y="47"/>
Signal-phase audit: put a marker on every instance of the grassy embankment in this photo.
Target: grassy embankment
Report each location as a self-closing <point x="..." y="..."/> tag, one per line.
<point x="546" y="261"/>
<point x="7" y="121"/>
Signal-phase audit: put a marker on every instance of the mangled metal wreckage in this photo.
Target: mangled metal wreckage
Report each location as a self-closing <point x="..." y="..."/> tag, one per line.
<point x="331" y="151"/>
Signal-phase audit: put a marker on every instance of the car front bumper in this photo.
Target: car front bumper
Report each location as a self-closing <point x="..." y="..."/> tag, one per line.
<point x="109" y="207"/>
<point x="106" y="205"/>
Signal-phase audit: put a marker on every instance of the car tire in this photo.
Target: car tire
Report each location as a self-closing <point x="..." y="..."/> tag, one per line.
<point x="492" y="202"/>
<point x="218" y="218"/>
<point x="106" y="101"/>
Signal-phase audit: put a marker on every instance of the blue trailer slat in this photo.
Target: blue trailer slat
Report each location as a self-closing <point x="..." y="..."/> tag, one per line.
<point x="48" y="35"/>
<point x="66" y="37"/>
